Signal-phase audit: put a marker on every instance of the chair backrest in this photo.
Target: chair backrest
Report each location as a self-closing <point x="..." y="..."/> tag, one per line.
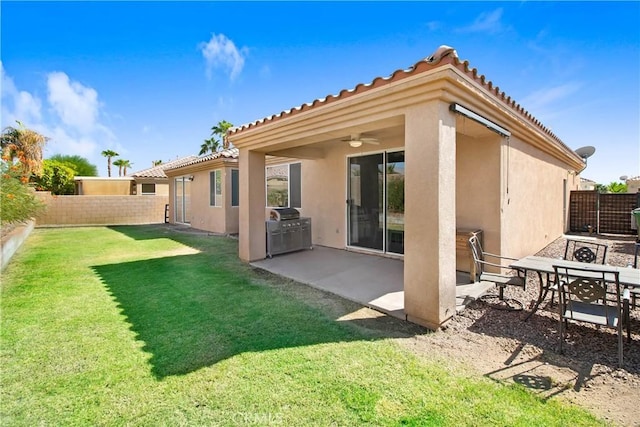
<point x="588" y="286"/>
<point x="582" y="251"/>
<point x="477" y="253"/>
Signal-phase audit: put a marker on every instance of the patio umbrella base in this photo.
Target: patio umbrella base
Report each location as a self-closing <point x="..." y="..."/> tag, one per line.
<point x="507" y="304"/>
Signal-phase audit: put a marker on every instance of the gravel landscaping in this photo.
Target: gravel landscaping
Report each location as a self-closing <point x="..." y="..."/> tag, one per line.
<point x="503" y="346"/>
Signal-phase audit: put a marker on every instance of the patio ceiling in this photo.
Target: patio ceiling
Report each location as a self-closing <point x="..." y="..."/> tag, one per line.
<point x="311" y="148"/>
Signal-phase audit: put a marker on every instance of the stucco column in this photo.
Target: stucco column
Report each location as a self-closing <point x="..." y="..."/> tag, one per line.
<point x="252" y="239"/>
<point x="430" y="214"/>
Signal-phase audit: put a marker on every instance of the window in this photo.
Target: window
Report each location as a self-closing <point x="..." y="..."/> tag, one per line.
<point x="235" y="187"/>
<point x="215" y="188"/>
<point x="148" y="189"/>
<point x="284" y="185"/>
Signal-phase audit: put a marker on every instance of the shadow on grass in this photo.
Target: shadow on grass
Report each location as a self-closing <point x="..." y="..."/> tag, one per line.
<point x="192" y="311"/>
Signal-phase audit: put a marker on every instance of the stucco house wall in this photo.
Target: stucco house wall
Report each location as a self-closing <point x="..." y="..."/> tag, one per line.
<point x="473" y="159"/>
<point x="100" y="186"/>
<point x="222" y="218"/>
<point x="535" y="199"/>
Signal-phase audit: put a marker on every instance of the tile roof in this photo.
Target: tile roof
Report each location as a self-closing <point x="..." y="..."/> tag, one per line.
<point x="230" y="153"/>
<point x="158" y="171"/>
<point x="443" y="56"/>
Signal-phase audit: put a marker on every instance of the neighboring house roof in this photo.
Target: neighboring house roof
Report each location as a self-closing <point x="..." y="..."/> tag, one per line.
<point x="633" y="178"/>
<point x="443" y="56"/>
<point x="231" y="153"/>
<point x="158" y="171"/>
<point x="587" y="181"/>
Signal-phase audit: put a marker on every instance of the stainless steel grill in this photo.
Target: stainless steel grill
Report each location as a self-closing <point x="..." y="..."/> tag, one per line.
<point x="287" y="232"/>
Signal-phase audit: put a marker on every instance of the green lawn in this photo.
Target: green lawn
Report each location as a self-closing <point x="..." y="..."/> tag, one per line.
<point x="146" y="326"/>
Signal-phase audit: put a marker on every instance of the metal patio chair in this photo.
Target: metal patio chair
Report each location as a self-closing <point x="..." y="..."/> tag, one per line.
<point x="516" y="277"/>
<point x="592" y="296"/>
<point x="581" y="251"/>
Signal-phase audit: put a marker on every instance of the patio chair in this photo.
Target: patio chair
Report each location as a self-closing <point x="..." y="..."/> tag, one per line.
<point x="592" y="296"/>
<point x="516" y="277"/>
<point x="581" y="251"/>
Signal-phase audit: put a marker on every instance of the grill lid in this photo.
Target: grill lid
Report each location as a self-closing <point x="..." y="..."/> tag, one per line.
<point x="281" y="214"/>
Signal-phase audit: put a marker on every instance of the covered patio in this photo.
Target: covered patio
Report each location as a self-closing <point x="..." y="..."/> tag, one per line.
<point x="374" y="281"/>
<point x="396" y="168"/>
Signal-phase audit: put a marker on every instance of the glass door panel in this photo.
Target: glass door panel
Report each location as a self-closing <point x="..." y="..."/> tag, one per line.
<point x="178" y="205"/>
<point x="366" y="201"/>
<point x="395" y="202"/>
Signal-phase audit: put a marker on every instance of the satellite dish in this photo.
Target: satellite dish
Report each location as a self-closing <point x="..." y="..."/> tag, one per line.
<point x="585" y="152"/>
<point x="623" y="178"/>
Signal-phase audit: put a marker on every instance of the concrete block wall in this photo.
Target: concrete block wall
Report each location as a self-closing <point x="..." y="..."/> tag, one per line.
<point x="101" y="210"/>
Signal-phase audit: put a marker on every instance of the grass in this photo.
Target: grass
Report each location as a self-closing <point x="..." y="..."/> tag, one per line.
<point x="146" y="326"/>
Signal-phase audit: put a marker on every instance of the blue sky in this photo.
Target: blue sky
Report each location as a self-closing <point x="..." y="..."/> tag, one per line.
<point x="149" y="79"/>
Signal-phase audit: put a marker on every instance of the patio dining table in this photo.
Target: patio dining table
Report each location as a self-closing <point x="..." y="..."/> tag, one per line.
<point x="629" y="277"/>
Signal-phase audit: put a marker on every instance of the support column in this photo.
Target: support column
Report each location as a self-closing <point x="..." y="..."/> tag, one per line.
<point x="252" y="239"/>
<point x="430" y="214"/>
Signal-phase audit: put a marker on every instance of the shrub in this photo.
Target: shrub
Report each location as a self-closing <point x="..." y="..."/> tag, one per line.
<point x="18" y="203"/>
<point x="56" y="177"/>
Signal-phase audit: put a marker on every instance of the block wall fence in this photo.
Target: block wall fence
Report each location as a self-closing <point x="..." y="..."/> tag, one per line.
<point x="101" y="210"/>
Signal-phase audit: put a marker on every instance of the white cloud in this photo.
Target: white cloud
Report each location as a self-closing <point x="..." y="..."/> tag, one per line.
<point x="70" y="121"/>
<point x="486" y="22"/>
<point x="62" y="142"/>
<point x="433" y="25"/>
<point x="76" y="105"/>
<point x="552" y="95"/>
<point x="18" y="105"/>
<point x="221" y="52"/>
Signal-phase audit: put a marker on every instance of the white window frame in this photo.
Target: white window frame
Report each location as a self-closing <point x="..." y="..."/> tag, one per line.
<point x="215" y="196"/>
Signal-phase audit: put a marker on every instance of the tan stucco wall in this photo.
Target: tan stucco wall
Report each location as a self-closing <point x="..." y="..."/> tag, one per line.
<point x="105" y="187"/>
<point x="101" y="210"/>
<point x="217" y="219"/>
<point x="532" y="198"/>
<point x="162" y="188"/>
<point x="478" y="188"/>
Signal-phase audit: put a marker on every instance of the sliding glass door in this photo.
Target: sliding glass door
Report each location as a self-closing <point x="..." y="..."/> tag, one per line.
<point x="182" y="202"/>
<point x="376" y="202"/>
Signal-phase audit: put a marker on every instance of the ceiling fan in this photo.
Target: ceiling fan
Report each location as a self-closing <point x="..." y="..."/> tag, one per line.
<point x="356" y="140"/>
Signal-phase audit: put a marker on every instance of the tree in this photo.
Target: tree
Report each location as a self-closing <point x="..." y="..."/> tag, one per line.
<point x="156" y="162"/>
<point x="218" y="133"/>
<point x="221" y="131"/>
<point x="26" y="146"/>
<point x="80" y="165"/>
<point x="18" y="201"/>
<point x="617" y="187"/>
<point x="109" y="154"/>
<point x="613" y="187"/>
<point x="118" y="163"/>
<point x="126" y="164"/>
<point x="56" y="177"/>
<point x="209" y="145"/>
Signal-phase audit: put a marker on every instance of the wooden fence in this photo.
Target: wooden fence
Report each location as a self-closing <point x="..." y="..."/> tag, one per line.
<point x="605" y="213"/>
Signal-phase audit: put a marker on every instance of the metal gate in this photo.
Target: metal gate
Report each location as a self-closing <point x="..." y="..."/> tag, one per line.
<point x="604" y="213"/>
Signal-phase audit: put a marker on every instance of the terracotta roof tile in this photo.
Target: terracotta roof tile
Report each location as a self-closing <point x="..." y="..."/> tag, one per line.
<point x="443" y="56"/>
<point x="158" y="171"/>
<point x="231" y="153"/>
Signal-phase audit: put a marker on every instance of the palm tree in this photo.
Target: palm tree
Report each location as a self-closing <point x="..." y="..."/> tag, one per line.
<point x="218" y="132"/>
<point x="221" y="130"/>
<point x="26" y="146"/>
<point x="119" y="164"/>
<point x="126" y="164"/>
<point x="109" y="154"/>
<point x="209" y="145"/>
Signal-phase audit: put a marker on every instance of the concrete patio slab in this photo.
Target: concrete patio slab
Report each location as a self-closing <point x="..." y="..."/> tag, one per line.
<point x="371" y="280"/>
